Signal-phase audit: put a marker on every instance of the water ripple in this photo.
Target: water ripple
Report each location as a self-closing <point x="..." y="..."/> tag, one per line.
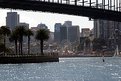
<point x="68" y="69"/>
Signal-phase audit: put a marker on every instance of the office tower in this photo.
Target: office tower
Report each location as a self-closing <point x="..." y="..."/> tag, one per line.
<point x="12" y="20"/>
<point x="42" y="26"/>
<point x="106" y="30"/>
<point x="57" y="32"/>
<point x="96" y="28"/>
<point x="66" y="32"/>
<point x="67" y="24"/>
<point x="63" y="34"/>
<point x="103" y="28"/>
<point x="73" y="33"/>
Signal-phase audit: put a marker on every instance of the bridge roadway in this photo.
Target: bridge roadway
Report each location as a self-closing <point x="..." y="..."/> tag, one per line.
<point x="92" y="12"/>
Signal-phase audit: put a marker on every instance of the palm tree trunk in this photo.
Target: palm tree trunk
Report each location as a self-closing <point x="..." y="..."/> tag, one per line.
<point x="19" y="47"/>
<point x="16" y="46"/>
<point x="4" y="44"/>
<point x="28" y="44"/>
<point x="21" y="44"/>
<point x="41" y="47"/>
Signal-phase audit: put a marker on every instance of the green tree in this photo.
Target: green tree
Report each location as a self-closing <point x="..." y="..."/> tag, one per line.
<point x="87" y="42"/>
<point x="21" y="32"/>
<point x="42" y="35"/>
<point x="2" y="48"/>
<point x="5" y="32"/>
<point x="14" y="38"/>
<point x="1" y="37"/>
<point x="1" y="44"/>
<point x="29" y="33"/>
<point x="99" y="43"/>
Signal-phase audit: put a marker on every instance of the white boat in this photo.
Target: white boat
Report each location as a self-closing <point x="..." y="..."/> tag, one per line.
<point x="116" y="53"/>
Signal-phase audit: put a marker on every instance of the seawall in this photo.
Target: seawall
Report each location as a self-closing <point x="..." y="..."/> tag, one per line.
<point x="13" y="59"/>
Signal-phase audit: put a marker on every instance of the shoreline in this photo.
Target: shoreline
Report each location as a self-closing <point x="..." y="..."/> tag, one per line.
<point x="83" y="56"/>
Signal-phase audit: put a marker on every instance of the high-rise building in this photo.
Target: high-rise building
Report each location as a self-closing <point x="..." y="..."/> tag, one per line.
<point x="68" y="23"/>
<point x="63" y="34"/>
<point x="103" y="29"/>
<point x="12" y="20"/>
<point x="106" y="30"/>
<point x="70" y="33"/>
<point x="66" y="32"/>
<point x="57" y="32"/>
<point x="73" y="33"/>
<point x="96" y="28"/>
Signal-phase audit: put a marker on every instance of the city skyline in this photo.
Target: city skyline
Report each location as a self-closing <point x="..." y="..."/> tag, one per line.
<point x="46" y="18"/>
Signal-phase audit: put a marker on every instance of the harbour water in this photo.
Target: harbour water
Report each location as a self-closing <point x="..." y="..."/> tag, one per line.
<point x="67" y="69"/>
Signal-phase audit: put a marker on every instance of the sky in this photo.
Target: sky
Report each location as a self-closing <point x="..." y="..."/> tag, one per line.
<point x="34" y="18"/>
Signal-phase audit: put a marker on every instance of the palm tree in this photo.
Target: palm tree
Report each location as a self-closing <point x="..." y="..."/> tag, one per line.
<point x="42" y="34"/>
<point x="1" y="37"/>
<point x="29" y="34"/>
<point x="2" y="48"/>
<point x="87" y="42"/>
<point x="5" y="32"/>
<point x="21" y="31"/>
<point x="14" y="37"/>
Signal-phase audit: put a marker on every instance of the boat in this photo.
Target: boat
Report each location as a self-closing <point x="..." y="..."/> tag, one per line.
<point x="116" y="53"/>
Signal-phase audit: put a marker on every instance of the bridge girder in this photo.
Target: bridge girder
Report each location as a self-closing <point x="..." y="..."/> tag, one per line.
<point x="93" y="13"/>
